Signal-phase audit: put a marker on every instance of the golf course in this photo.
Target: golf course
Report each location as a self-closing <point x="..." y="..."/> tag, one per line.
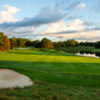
<point x="57" y="75"/>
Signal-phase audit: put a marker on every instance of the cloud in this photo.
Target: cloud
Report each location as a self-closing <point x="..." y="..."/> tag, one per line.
<point x="46" y="15"/>
<point x="53" y="18"/>
<point x="73" y="30"/>
<point x="81" y="36"/>
<point x="61" y="27"/>
<point x="7" y="14"/>
<point x="81" y="6"/>
<point x="49" y="16"/>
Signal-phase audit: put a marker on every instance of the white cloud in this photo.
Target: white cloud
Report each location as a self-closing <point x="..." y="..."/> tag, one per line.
<point x="24" y="29"/>
<point x="81" y="6"/>
<point x="7" y="14"/>
<point x="77" y="30"/>
<point x="21" y="32"/>
<point x="81" y="36"/>
<point x="76" y="25"/>
<point x="55" y="27"/>
<point x="55" y="30"/>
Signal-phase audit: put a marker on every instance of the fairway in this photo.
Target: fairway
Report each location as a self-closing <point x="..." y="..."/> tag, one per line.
<point x="50" y="67"/>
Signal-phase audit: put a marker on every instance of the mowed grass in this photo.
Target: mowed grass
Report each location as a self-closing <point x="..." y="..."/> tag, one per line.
<point x="56" y="74"/>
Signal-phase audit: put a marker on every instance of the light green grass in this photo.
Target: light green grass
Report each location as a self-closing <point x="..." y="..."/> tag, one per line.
<point x="54" y="69"/>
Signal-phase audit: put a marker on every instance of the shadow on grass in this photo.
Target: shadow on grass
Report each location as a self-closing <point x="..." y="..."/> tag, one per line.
<point x="70" y="74"/>
<point x="41" y="52"/>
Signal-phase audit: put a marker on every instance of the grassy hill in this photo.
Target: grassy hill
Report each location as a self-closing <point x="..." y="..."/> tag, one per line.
<point x="57" y="75"/>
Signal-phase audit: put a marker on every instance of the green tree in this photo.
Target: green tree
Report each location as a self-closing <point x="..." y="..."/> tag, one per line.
<point x="46" y="43"/>
<point x="13" y="42"/>
<point x="36" y="43"/>
<point x="71" y="43"/>
<point x="21" y="42"/>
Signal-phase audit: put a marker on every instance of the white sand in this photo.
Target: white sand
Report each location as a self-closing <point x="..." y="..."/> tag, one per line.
<point x="12" y="79"/>
<point x="87" y="55"/>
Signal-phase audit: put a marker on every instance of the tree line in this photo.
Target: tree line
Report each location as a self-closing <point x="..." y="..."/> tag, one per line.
<point x="6" y="44"/>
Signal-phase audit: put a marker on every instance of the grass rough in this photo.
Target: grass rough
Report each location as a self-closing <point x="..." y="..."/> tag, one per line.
<point x="56" y="75"/>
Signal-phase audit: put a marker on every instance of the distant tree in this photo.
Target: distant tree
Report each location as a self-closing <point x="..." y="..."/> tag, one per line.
<point x="1" y="39"/>
<point x="36" y="44"/>
<point x="28" y="43"/>
<point x="97" y="44"/>
<point x="71" y="43"/>
<point x="13" y="42"/>
<point x="46" y="43"/>
<point x="59" y="44"/>
<point x="21" y="42"/>
<point x="90" y="44"/>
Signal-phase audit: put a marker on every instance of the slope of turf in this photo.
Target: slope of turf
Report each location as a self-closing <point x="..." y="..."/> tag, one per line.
<point x="55" y="70"/>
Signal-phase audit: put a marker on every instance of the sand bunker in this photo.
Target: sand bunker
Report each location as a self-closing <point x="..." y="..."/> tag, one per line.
<point x="12" y="79"/>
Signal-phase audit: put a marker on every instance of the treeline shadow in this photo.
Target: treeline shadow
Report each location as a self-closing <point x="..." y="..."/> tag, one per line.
<point x="56" y="53"/>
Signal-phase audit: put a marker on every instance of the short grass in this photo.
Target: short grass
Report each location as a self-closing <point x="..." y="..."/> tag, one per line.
<point x="56" y="74"/>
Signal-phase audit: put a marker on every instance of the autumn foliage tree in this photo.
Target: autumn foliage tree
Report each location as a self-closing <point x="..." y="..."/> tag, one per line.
<point x="4" y="42"/>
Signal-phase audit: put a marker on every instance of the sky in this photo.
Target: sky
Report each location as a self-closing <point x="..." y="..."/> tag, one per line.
<point x="58" y="20"/>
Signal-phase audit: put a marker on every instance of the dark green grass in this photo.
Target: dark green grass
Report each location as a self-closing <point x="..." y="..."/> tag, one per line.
<point x="56" y="75"/>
